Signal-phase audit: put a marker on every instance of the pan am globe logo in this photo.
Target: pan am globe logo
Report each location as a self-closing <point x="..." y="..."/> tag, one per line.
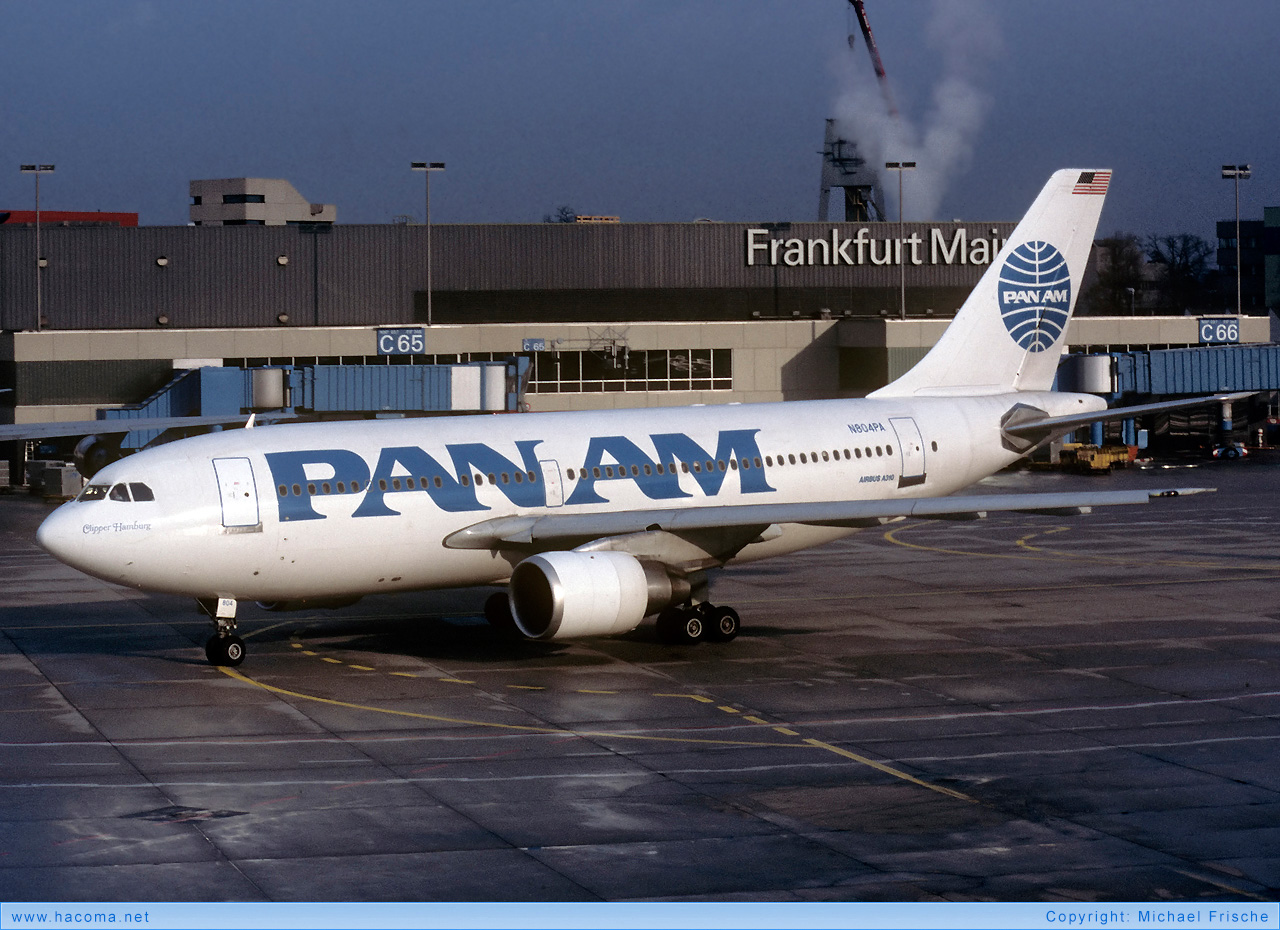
<point x="1035" y="295"/>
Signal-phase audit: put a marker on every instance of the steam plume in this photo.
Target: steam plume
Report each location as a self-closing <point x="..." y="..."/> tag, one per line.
<point x="964" y="37"/>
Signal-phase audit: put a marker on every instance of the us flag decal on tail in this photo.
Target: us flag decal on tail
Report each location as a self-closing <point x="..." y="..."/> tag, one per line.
<point x="1092" y="182"/>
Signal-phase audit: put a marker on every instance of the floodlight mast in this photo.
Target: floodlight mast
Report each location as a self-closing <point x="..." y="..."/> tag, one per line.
<point x="426" y="167"/>
<point x="38" y="170"/>
<point x="900" y="167"/>
<point x="1237" y="173"/>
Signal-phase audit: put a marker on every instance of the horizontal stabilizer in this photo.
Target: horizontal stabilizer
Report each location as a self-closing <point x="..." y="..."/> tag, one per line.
<point x="1046" y="424"/>
<point x="555" y="530"/>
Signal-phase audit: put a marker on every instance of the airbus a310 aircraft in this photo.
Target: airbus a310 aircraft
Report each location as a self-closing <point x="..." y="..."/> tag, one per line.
<point x="595" y="520"/>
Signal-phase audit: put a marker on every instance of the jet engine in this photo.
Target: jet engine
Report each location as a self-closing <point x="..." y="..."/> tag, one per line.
<point x="566" y="595"/>
<point x="94" y="453"/>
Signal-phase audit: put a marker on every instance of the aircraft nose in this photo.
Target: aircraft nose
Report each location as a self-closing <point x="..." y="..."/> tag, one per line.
<point x="62" y="536"/>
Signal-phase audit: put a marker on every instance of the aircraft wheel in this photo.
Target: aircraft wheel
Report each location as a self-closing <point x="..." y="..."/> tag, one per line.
<point x="497" y="610"/>
<point x="224" y="650"/>
<point x="722" y="624"/>
<point x="681" y="626"/>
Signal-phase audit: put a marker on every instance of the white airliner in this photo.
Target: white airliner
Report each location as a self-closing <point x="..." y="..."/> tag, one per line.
<point x="595" y="520"/>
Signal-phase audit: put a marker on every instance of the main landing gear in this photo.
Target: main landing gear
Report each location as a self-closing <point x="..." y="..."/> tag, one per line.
<point x="691" y="623"/>
<point x="224" y="647"/>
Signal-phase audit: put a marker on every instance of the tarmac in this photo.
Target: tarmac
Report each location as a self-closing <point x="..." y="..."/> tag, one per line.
<point x="1020" y="708"/>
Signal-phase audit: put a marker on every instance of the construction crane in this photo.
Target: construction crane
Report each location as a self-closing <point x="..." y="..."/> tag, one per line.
<point x="860" y="10"/>
<point x="842" y="167"/>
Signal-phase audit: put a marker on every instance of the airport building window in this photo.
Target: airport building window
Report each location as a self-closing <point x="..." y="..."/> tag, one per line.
<point x="635" y="370"/>
<point x="566" y="372"/>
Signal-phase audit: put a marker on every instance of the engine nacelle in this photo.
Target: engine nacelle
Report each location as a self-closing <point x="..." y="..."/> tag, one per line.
<point x="94" y="453"/>
<point x="565" y="595"/>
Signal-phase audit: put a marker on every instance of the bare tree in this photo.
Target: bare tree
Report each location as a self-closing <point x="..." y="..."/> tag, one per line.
<point x="1185" y="260"/>
<point x="1118" y="261"/>
<point x="564" y="214"/>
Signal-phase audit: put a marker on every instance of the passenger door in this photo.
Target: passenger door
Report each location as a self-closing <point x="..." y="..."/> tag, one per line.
<point x="911" y="445"/>
<point x="237" y="491"/>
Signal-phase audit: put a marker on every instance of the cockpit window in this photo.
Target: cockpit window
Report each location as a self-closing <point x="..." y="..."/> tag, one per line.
<point x="119" y="492"/>
<point x="141" y="492"/>
<point x="94" y="492"/>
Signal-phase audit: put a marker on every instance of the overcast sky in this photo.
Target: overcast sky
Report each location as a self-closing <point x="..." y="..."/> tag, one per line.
<point x="653" y="110"/>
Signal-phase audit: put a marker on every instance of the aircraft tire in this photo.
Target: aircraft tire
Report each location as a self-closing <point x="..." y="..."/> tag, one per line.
<point x="723" y="624"/>
<point x="225" y="650"/>
<point x="681" y="626"/>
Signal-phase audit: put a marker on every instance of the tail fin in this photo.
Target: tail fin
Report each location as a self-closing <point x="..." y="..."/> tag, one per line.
<point x="1010" y="332"/>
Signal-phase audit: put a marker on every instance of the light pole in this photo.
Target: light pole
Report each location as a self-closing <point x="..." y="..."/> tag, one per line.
<point x="900" y="167"/>
<point x="37" y="170"/>
<point x="1237" y="173"/>
<point x="426" y="167"/>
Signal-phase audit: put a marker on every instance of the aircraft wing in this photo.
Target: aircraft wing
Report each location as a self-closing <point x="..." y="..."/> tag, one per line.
<point x="551" y="531"/>
<point x="108" y="427"/>
<point x="1036" y="427"/>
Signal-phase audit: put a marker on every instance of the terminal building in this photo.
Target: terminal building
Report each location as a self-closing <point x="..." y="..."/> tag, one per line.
<point x="603" y="314"/>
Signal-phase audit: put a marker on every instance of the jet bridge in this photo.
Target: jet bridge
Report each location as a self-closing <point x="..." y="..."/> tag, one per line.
<point x="1143" y="376"/>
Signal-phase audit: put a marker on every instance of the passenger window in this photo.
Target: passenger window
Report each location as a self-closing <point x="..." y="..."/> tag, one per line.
<point x="803" y="460"/>
<point x="437" y="482"/>
<point x="506" y="478"/>
<point x="326" y="488"/>
<point x="342" y="487"/>
<point x="825" y="457"/>
<point x="119" y="493"/>
<point x="858" y="453"/>
<point x="570" y="474"/>
<point x="648" y="469"/>
<point x="94" y="492"/>
<point x="466" y="481"/>
<point x="888" y="450"/>
<point x="297" y="490"/>
<point x="720" y="464"/>
<point x="879" y="451"/>
<point x="311" y="488"/>
<point x="533" y="479"/>
<point x="284" y="490"/>
<point x="519" y="476"/>
<point x="792" y="458"/>
<point x="635" y="471"/>
<point x="935" y="445"/>
<point x="768" y="460"/>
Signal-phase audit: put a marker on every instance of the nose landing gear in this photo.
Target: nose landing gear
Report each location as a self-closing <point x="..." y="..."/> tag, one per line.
<point x="224" y="648"/>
